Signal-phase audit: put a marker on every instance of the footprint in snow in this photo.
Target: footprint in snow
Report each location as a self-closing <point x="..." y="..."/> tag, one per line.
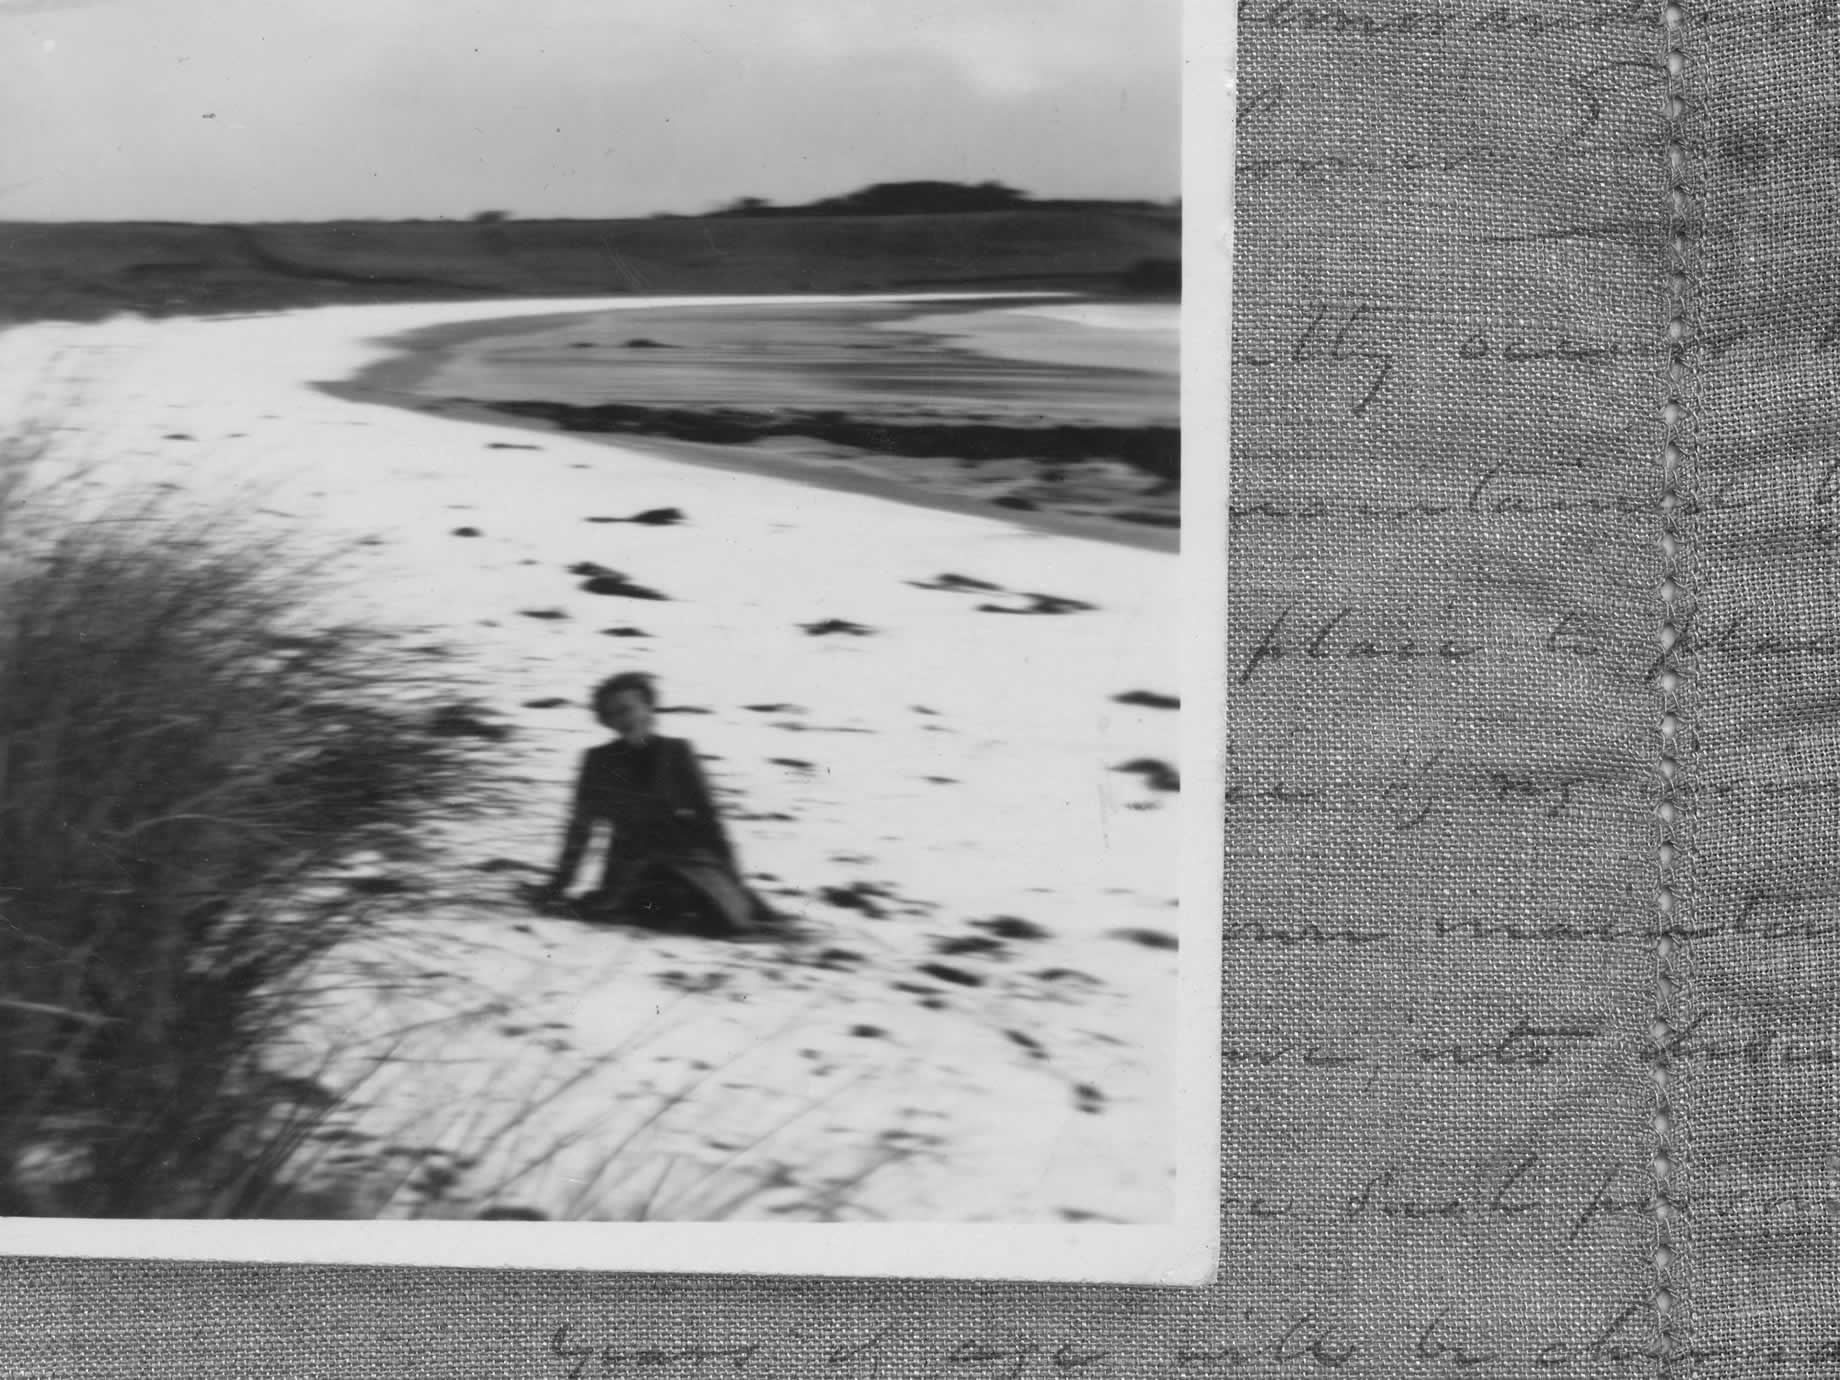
<point x="598" y="579"/>
<point x="1041" y="604"/>
<point x="1010" y="927"/>
<point x="1148" y="938"/>
<point x="945" y="972"/>
<point x="956" y="584"/>
<point x="1157" y="774"/>
<point x="1029" y="1043"/>
<point x="1148" y="699"/>
<point x="969" y="944"/>
<point x="650" y="517"/>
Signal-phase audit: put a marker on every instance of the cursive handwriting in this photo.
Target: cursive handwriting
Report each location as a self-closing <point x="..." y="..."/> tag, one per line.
<point x="1329" y="638"/>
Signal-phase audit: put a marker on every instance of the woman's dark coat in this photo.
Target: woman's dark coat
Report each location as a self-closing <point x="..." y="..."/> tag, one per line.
<point x="663" y="819"/>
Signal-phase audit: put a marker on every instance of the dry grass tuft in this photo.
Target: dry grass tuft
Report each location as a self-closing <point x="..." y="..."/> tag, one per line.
<point x="185" y="762"/>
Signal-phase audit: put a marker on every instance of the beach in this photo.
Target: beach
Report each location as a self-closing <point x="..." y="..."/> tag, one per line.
<point x="934" y="723"/>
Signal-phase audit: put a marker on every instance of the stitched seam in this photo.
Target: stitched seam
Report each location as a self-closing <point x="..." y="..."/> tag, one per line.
<point x="1674" y="812"/>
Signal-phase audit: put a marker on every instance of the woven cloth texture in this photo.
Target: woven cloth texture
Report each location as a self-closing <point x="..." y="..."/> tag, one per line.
<point x="1450" y="307"/>
<point x="1757" y="1093"/>
<point x="1447" y="466"/>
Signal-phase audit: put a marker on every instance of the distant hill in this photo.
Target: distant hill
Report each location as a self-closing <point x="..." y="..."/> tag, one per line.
<point x="925" y="198"/>
<point x="84" y="271"/>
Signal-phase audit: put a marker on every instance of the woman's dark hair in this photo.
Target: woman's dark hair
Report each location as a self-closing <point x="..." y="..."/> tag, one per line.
<point x="626" y="680"/>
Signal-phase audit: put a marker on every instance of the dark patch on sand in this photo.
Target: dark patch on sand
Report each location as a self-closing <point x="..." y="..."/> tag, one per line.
<point x="1150" y="939"/>
<point x="1041" y="603"/>
<point x="547" y="614"/>
<point x="866" y="897"/>
<point x="969" y="944"/>
<point x="600" y="580"/>
<point x="1157" y="774"/>
<point x="624" y="632"/>
<point x="1010" y="927"/>
<point x="1070" y="975"/>
<point x="945" y="972"/>
<point x="1148" y="699"/>
<point x="829" y="626"/>
<point x="1027" y="1042"/>
<point x="650" y="517"/>
<point x="956" y="584"/>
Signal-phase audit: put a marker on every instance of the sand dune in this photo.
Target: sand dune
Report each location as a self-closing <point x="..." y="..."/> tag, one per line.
<point x="937" y="736"/>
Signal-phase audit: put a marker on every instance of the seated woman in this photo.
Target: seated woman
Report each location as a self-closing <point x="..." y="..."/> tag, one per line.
<point x="668" y="845"/>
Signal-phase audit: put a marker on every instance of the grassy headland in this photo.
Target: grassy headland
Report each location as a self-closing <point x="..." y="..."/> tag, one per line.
<point x="92" y="270"/>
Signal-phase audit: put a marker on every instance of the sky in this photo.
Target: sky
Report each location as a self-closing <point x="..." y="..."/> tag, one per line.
<point x="319" y="109"/>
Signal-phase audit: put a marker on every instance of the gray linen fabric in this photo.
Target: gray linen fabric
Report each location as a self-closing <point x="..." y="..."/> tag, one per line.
<point x="1757" y="1095"/>
<point x="1447" y="414"/>
<point x="1454" y="277"/>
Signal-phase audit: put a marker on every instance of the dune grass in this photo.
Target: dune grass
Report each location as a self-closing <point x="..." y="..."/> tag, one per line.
<point x="209" y="802"/>
<point x="184" y="763"/>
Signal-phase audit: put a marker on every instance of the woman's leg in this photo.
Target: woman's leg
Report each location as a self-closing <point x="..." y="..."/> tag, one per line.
<point x="727" y="905"/>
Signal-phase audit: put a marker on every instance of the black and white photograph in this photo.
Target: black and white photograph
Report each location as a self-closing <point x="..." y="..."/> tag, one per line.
<point x="594" y="606"/>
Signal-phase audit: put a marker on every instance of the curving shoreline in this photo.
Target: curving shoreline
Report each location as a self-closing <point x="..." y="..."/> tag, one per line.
<point x="867" y="396"/>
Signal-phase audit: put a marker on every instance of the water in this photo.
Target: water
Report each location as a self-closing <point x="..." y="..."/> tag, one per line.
<point x="1092" y="363"/>
<point x="1136" y="337"/>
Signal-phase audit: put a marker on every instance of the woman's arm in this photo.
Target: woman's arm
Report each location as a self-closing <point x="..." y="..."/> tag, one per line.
<point x="576" y="836"/>
<point x="703" y="806"/>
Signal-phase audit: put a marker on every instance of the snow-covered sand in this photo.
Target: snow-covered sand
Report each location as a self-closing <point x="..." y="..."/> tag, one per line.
<point x="958" y="761"/>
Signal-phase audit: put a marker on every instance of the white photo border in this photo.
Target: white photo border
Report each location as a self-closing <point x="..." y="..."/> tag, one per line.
<point x="1183" y="1252"/>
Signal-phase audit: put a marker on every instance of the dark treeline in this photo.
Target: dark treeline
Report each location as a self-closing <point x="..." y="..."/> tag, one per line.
<point x="84" y="271"/>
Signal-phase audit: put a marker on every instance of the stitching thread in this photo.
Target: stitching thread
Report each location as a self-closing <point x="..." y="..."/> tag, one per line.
<point x="1673" y="811"/>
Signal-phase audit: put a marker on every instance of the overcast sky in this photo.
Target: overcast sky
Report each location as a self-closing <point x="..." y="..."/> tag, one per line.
<point x="310" y="109"/>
